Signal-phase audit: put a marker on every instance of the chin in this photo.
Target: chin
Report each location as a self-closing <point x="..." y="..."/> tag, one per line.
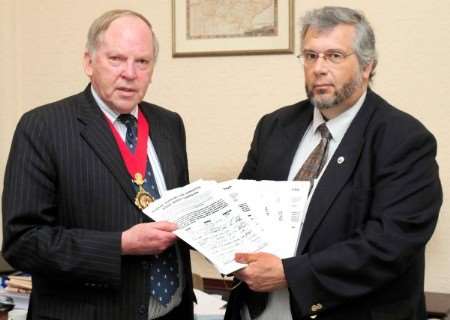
<point x="323" y="103"/>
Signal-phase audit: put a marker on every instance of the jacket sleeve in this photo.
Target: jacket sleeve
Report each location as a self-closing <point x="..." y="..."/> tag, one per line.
<point x="33" y="240"/>
<point x="249" y="169"/>
<point x="182" y="139"/>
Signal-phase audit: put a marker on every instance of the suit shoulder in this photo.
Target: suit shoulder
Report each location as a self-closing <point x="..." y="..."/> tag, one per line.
<point x="158" y="111"/>
<point x="53" y="111"/>
<point x="289" y="113"/>
<point x="394" y="120"/>
<point x="59" y="106"/>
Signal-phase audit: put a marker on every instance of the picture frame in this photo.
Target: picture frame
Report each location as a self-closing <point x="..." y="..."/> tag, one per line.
<point x="245" y="27"/>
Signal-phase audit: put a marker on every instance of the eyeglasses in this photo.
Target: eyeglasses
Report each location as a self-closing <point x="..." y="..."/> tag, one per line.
<point x="309" y="57"/>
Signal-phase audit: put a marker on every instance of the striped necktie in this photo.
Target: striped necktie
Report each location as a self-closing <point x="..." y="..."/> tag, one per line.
<point x="313" y="165"/>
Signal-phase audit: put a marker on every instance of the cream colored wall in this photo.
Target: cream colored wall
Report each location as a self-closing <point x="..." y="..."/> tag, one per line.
<point x="221" y="98"/>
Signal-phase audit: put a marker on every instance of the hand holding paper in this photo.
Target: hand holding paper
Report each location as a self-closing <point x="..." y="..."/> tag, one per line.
<point x="264" y="272"/>
<point x="148" y="238"/>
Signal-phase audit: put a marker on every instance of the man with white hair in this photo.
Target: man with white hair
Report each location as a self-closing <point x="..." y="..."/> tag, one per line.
<point x="79" y="173"/>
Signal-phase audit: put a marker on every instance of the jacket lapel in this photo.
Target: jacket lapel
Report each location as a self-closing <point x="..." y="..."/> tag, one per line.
<point x="97" y="134"/>
<point x="337" y="174"/>
<point x="160" y="140"/>
<point x="292" y="128"/>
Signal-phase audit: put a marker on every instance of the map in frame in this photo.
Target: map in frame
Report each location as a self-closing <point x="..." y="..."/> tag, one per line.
<point x="215" y="19"/>
<point x="232" y="27"/>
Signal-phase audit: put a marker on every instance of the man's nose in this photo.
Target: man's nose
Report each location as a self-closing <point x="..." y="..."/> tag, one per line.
<point x="320" y="66"/>
<point x="130" y="70"/>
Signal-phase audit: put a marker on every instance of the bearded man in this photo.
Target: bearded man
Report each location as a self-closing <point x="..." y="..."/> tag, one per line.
<point x="374" y="198"/>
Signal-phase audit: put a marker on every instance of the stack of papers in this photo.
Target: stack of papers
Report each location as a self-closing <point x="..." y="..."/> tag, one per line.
<point x="18" y="282"/>
<point x="221" y="219"/>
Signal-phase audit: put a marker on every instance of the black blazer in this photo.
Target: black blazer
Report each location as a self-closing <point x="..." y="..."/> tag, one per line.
<point x="361" y="251"/>
<point x="67" y="198"/>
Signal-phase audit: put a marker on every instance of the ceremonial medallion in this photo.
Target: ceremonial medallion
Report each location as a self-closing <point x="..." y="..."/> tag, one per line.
<point x="143" y="198"/>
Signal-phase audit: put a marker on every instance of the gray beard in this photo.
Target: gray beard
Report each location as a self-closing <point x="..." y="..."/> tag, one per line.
<point x="340" y="96"/>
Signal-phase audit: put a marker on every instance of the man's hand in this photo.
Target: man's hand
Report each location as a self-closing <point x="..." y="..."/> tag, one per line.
<point x="148" y="238"/>
<point x="264" y="272"/>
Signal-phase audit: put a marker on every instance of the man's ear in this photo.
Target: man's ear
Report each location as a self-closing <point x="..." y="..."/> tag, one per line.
<point x="87" y="63"/>
<point x="367" y="70"/>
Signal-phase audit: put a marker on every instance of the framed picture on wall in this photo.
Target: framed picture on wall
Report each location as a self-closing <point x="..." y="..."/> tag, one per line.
<point x="233" y="27"/>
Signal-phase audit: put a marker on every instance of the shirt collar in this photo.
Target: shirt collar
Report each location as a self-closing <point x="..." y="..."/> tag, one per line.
<point x="339" y="125"/>
<point x="110" y="113"/>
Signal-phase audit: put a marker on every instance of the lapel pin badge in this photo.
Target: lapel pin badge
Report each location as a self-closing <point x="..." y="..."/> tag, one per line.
<point x="340" y="160"/>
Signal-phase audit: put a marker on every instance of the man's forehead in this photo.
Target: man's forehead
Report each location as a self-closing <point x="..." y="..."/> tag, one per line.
<point x="126" y="29"/>
<point x="342" y="34"/>
<point x="128" y="24"/>
<point x="324" y="31"/>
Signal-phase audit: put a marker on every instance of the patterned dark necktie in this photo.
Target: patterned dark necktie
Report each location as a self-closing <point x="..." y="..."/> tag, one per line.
<point x="313" y="165"/>
<point x="164" y="266"/>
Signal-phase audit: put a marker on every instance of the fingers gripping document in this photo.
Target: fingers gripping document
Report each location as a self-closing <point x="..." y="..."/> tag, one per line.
<point x="210" y="222"/>
<point x="220" y="219"/>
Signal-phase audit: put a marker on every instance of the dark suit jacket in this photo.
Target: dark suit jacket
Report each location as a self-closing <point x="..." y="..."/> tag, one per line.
<point x="68" y="197"/>
<point x="361" y="251"/>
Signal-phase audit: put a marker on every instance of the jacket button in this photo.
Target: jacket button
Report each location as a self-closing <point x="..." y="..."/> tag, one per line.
<point x="316" y="307"/>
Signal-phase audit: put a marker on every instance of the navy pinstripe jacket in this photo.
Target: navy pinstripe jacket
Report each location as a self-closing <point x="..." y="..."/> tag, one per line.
<point x="68" y="197"/>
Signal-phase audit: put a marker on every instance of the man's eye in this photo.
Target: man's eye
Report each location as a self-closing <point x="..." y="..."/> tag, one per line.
<point x="311" y="56"/>
<point x="116" y="58"/>
<point x="335" y="55"/>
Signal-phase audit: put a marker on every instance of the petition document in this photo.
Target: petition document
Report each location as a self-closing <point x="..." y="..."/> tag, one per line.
<point x="210" y="221"/>
<point x="220" y="219"/>
<point x="276" y="208"/>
